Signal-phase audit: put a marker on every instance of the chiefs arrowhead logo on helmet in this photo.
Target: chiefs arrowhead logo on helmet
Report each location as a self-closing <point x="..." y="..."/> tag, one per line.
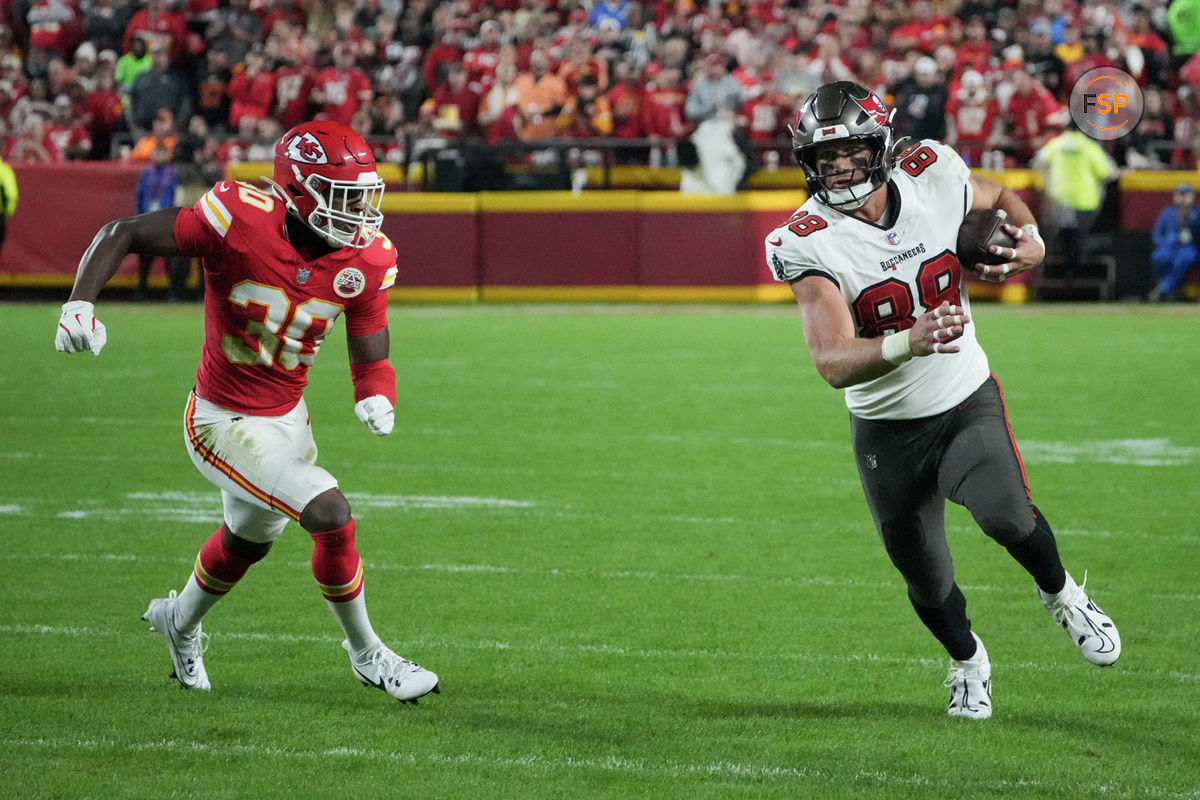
<point x="306" y="148"/>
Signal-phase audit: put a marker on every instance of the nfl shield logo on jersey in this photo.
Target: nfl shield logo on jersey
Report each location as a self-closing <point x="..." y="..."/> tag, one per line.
<point x="893" y="238"/>
<point x="302" y="276"/>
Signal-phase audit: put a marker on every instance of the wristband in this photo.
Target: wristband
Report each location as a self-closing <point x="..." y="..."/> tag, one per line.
<point x="897" y="348"/>
<point x="372" y="378"/>
<point x="1031" y="231"/>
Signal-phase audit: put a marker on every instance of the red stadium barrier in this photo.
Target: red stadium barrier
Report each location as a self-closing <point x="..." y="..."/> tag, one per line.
<point x="614" y="245"/>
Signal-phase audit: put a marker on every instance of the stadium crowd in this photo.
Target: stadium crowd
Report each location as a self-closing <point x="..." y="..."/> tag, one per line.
<point x="217" y="82"/>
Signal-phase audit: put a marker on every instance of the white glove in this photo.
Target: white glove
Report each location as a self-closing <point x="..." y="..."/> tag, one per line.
<point x="79" y="330"/>
<point x="376" y="413"/>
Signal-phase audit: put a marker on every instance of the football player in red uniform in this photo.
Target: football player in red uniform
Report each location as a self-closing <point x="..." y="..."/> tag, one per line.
<point x="280" y="266"/>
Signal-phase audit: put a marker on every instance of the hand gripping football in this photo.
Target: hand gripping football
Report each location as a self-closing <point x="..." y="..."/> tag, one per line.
<point x="981" y="229"/>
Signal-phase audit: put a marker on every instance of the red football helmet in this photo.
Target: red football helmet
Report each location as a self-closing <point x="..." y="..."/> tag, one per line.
<point x="326" y="175"/>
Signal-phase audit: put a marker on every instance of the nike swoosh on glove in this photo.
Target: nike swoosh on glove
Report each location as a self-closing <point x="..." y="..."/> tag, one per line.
<point x="79" y="330"/>
<point x="376" y="413"/>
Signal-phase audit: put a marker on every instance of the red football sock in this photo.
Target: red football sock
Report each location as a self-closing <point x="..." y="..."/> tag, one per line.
<point x="336" y="564"/>
<point x="218" y="569"/>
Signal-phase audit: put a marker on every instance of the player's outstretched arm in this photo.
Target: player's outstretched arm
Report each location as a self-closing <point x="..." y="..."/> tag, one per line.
<point x="1030" y="249"/>
<point x="152" y="234"/>
<point x="374" y="381"/>
<point x="843" y="359"/>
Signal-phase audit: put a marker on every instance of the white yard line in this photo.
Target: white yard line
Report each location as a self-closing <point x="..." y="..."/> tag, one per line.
<point x="539" y="763"/>
<point x="426" y="645"/>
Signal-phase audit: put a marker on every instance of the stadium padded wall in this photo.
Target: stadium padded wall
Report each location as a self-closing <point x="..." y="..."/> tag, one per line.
<point x="656" y="246"/>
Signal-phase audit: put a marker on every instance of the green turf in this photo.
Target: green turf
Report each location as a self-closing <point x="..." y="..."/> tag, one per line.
<point x="632" y="543"/>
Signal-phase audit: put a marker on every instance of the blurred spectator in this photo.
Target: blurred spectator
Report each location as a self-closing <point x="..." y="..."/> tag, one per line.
<point x="293" y="87"/>
<point x="13" y="71"/>
<point x="582" y="62"/>
<point x="1040" y="60"/>
<point x="212" y="89"/>
<point x="713" y="92"/>
<point x="234" y="29"/>
<point x="826" y="64"/>
<point x="975" y="51"/>
<point x="448" y="50"/>
<point x="627" y="98"/>
<point x="162" y="134"/>
<point x="342" y="89"/>
<point x="133" y="63"/>
<point x="586" y="113"/>
<point x="1176" y="234"/>
<point x="252" y="88"/>
<point x="1186" y="120"/>
<point x="102" y="114"/>
<point x="234" y="149"/>
<point x="1143" y="36"/>
<point x="1093" y="56"/>
<point x="921" y="103"/>
<point x="1149" y="145"/>
<point x="36" y="101"/>
<point x="453" y="109"/>
<point x="1074" y="170"/>
<point x="973" y="119"/>
<point x="8" y="198"/>
<point x="31" y="143"/>
<point x="54" y="26"/>
<point x="662" y="113"/>
<point x="104" y="24"/>
<point x="481" y="61"/>
<point x="541" y="95"/>
<point x="1183" y="17"/>
<point x="614" y="10"/>
<point x="266" y="136"/>
<point x="156" y="89"/>
<point x="157" y="24"/>
<point x="498" y="112"/>
<point x="155" y="191"/>
<point x="196" y="161"/>
<point x="765" y="116"/>
<point x="1031" y="115"/>
<point x="68" y="134"/>
<point x="924" y="31"/>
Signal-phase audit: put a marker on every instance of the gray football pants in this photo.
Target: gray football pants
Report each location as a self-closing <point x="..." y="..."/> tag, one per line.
<point x="909" y="468"/>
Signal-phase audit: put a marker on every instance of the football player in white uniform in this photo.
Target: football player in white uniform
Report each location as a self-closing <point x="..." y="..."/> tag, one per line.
<point x="871" y="259"/>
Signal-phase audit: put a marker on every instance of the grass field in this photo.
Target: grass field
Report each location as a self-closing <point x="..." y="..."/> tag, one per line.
<point x="632" y="543"/>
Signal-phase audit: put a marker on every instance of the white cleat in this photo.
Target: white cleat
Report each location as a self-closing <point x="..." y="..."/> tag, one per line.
<point x="970" y="684"/>
<point x="399" y="677"/>
<point x="187" y="649"/>
<point x="1092" y="631"/>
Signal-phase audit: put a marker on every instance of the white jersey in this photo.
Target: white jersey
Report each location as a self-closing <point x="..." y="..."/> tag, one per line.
<point x="891" y="275"/>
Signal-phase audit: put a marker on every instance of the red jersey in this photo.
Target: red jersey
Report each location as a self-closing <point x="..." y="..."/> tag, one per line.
<point x="266" y="309"/>
<point x="293" y="85"/>
<point x="250" y="96"/>
<point x="168" y="27"/>
<point x="1027" y="113"/>
<point x="481" y="63"/>
<point x="662" y="113"/>
<point x="766" y="117"/>
<point x="345" y="92"/>
<point x="627" y="102"/>
<point x="974" y="124"/>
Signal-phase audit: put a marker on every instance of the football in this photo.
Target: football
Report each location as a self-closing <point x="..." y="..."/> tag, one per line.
<point x="981" y="229"/>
